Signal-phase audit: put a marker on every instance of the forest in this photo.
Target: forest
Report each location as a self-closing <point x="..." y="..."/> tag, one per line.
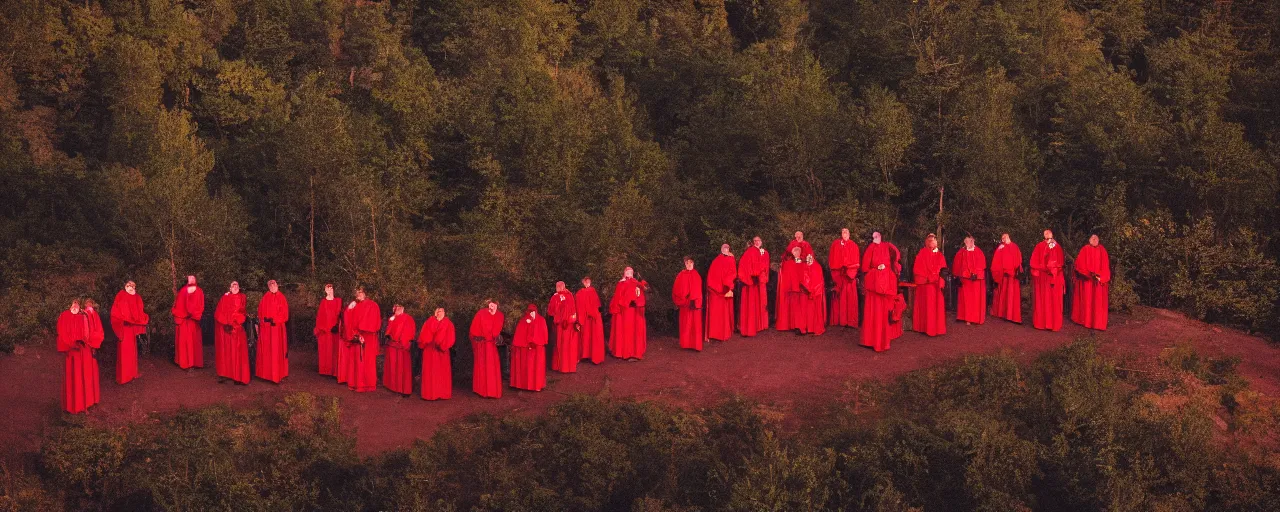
<point x="443" y="151"/>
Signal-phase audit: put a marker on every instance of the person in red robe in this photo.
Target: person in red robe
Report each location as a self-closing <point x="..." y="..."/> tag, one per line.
<point x="686" y="294"/>
<point x="928" y="311"/>
<point x="397" y="368"/>
<point x="844" y="260"/>
<point x="1089" y="300"/>
<point x="798" y="241"/>
<point x="1006" y="265"/>
<point x="791" y="293"/>
<point x="272" y="362"/>
<point x="188" y="307"/>
<point x="815" y="300"/>
<point x="77" y="338"/>
<point x="230" y="342"/>
<point x="486" y="328"/>
<point x="721" y="278"/>
<point x="529" y="352"/>
<point x="627" y="330"/>
<point x="435" y="340"/>
<point x="1049" y="285"/>
<point x="361" y="322"/>
<point x="896" y="313"/>
<point x="590" y="327"/>
<point x="326" y="330"/>
<point x="753" y="305"/>
<point x="881" y="264"/>
<point x="129" y="322"/>
<point x="970" y="268"/>
<point x="564" y="314"/>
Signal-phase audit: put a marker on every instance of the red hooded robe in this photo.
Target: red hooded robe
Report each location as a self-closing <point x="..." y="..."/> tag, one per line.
<point x="590" y="326"/>
<point x="361" y="322"/>
<point x="753" y="304"/>
<point x="272" y="362"/>
<point x="721" y="277"/>
<point x="1089" y="299"/>
<point x="128" y="321"/>
<point x="970" y="268"/>
<point x="627" y="330"/>
<point x="328" y="341"/>
<point x="881" y="288"/>
<point x="1049" y="286"/>
<point x="686" y="294"/>
<point x="529" y="352"/>
<point x="844" y="260"/>
<point x="486" y="375"/>
<point x="188" y="307"/>
<point x="564" y="315"/>
<point x="230" y="344"/>
<point x="815" y="300"/>
<point x="77" y="338"/>
<point x="397" y="368"/>
<point x="1006" y="264"/>
<point x="435" y="340"/>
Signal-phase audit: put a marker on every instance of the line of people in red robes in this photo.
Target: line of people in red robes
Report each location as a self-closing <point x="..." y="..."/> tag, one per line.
<point x="350" y="338"/>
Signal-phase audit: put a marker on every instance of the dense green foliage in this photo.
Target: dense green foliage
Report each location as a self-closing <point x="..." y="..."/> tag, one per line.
<point x="1067" y="432"/>
<point x="445" y="150"/>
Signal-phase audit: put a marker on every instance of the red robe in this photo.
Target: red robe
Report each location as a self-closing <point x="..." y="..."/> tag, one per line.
<point x="128" y="321"/>
<point x="230" y="344"/>
<point x="529" y="354"/>
<point x="360" y="325"/>
<point x="719" y="309"/>
<point x="591" y="333"/>
<point x="435" y="340"/>
<point x="1006" y="264"/>
<point x="970" y="269"/>
<point x="397" y="368"/>
<point x="1089" y="299"/>
<point x="563" y="312"/>
<point x="273" y="339"/>
<point x="327" y="331"/>
<point x="753" y="305"/>
<point x="928" y="311"/>
<point x="815" y="301"/>
<point x="844" y="261"/>
<point x="77" y="338"/>
<point x="486" y="376"/>
<point x="188" y="307"/>
<point x="792" y="296"/>
<point x="895" y="316"/>
<point x="627" y="331"/>
<point x="686" y="294"/>
<point x="880" y="288"/>
<point x="1049" y="286"/>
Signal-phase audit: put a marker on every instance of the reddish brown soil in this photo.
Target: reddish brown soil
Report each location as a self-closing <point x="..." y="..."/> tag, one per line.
<point x="796" y="375"/>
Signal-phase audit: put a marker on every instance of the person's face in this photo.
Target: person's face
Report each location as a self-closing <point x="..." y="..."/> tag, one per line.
<point x="130" y="288"/>
<point x="235" y="287"/>
<point x="586" y="283"/>
<point x="493" y="307"/>
<point x="1093" y="240"/>
<point x="875" y="237"/>
<point x="560" y="286"/>
<point x="191" y="280"/>
<point x="795" y="251"/>
<point x="533" y="313"/>
<point x="844" y="234"/>
<point x="799" y="236"/>
<point x="1048" y="235"/>
<point x="931" y="243"/>
<point x="1004" y="239"/>
<point x="628" y="273"/>
<point x="273" y="287"/>
<point x="439" y="313"/>
<point x="328" y="292"/>
<point x="688" y="264"/>
<point x="968" y="243"/>
<point x="360" y="295"/>
<point x="724" y="249"/>
<point x="399" y="310"/>
<point x="756" y="242"/>
<point x="75" y="307"/>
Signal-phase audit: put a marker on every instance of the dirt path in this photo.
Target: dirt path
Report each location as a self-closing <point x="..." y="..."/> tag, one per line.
<point x="797" y="375"/>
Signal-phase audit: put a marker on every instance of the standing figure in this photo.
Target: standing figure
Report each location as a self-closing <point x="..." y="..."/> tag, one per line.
<point x="78" y="339"/>
<point x="791" y="293"/>
<point x="328" y="340"/>
<point x="590" y="326"/>
<point x="1089" y="300"/>
<point x="230" y="342"/>
<point x="928" y="312"/>
<point x="486" y="327"/>
<point x="1049" y="285"/>
<point x="529" y="352"/>
<point x="1006" y="265"/>
<point x="627" y="331"/>
<point x="273" y="337"/>
<point x="686" y="294"/>
<point x="129" y="321"/>
<point x="844" y="260"/>
<point x="188" y="307"/>
<point x="815" y="298"/>
<point x="881" y="262"/>
<point x="564" y="315"/>
<point x="721" y="277"/>
<point x="970" y="267"/>
<point x="361" y="322"/>
<point x="753" y="307"/>
<point x="435" y="340"/>
<point x="397" y="368"/>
